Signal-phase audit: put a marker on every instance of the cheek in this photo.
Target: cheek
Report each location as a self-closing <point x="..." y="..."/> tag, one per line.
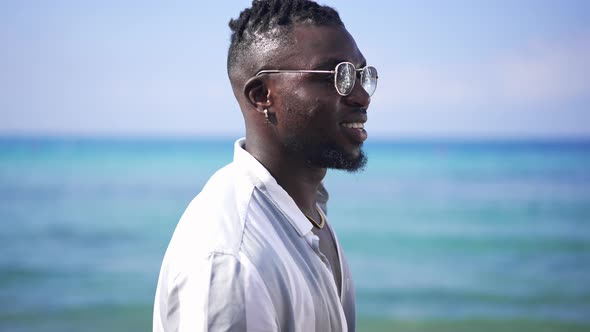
<point x="303" y="106"/>
<point x="294" y="119"/>
<point x="293" y="107"/>
<point x="300" y="117"/>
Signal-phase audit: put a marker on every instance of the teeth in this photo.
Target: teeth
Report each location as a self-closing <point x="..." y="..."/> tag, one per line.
<point x="356" y="125"/>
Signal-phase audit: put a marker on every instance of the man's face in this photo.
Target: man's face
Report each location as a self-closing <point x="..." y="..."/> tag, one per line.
<point x="312" y="118"/>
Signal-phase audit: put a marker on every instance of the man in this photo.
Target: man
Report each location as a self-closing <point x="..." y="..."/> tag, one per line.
<point x="254" y="251"/>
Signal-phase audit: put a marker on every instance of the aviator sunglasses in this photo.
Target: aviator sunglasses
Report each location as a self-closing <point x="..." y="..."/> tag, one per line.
<point x="345" y="75"/>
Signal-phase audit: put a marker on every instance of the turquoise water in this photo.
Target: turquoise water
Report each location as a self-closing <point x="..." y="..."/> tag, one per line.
<point x="455" y="234"/>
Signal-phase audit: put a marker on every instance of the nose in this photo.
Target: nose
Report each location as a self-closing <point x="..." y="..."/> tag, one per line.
<point x="358" y="97"/>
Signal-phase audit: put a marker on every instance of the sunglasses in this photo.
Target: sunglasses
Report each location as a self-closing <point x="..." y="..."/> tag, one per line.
<point x="345" y="75"/>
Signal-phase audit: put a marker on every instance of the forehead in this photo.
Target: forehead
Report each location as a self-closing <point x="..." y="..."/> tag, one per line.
<point x="317" y="45"/>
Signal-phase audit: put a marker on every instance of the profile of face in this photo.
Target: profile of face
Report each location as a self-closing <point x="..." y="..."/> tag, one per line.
<point x="312" y="118"/>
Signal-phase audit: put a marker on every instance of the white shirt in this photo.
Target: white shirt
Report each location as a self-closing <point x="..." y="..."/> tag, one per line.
<point x="243" y="258"/>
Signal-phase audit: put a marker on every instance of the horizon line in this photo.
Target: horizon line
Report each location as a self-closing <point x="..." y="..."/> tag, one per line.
<point x="223" y="137"/>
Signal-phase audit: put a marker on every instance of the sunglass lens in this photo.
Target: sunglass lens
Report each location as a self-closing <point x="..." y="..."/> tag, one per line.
<point x="345" y="76"/>
<point x="369" y="79"/>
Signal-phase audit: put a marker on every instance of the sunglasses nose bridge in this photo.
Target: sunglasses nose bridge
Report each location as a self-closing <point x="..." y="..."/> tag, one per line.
<point x="346" y="78"/>
<point x="368" y="79"/>
<point x="358" y="96"/>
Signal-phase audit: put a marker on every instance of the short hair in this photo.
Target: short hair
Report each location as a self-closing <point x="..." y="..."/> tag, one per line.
<point x="270" y="18"/>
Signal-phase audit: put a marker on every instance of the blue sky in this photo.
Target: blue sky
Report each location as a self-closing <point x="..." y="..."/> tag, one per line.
<point x="157" y="68"/>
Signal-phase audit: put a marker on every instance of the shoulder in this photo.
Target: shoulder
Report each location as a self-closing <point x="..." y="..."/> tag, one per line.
<point x="214" y="220"/>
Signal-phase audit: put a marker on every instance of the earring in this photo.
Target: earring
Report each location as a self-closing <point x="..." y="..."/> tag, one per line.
<point x="266" y="121"/>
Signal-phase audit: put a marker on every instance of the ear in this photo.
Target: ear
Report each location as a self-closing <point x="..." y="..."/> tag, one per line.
<point x="257" y="93"/>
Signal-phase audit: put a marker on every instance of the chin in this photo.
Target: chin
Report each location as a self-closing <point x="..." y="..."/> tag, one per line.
<point x="352" y="164"/>
<point x="329" y="154"/>
<point x="337" y="158"/>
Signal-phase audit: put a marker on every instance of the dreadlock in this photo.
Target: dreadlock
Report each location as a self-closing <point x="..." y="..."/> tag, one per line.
<point x="271" y="19"/>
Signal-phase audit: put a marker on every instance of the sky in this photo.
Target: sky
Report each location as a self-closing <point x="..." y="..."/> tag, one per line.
<point x="460" y="69"/>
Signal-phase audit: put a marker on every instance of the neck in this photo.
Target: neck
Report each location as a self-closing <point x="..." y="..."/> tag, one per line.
<point x="300" y="180"/>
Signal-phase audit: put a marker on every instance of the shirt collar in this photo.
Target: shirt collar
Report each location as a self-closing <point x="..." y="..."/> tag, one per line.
<point x="265" y="182"/>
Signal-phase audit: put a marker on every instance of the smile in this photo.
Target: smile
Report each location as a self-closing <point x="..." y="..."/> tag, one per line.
<point x="355" y="131"/>
<point x="355" y="125"/>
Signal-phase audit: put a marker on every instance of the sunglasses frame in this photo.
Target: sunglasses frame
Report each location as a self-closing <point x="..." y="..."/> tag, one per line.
<point x="335" y="72"/>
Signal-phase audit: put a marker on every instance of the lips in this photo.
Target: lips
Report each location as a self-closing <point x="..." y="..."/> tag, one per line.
<point x="355" y="125"/>
<point x="355" y="130"/>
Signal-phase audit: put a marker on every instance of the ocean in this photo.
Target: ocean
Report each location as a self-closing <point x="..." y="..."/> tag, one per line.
<point x="442" y="235"/>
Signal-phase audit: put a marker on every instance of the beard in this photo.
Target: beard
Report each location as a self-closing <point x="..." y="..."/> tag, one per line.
<point x="326" y="154"/>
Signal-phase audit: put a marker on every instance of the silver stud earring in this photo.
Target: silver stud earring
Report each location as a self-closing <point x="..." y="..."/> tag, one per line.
<point x="266" y="121"/>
